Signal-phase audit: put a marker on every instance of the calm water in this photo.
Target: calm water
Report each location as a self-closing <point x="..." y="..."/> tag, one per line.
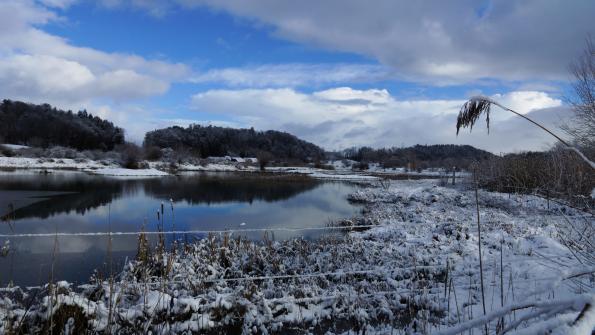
<point x="76" y="202"/>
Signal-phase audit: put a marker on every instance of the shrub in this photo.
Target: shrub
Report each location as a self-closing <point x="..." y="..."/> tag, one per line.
<point x="361" y="166"/>
<point x="319" y="165"/>
<point x="558" y="172"/>
<point x="130" y="156"/>
<point x="264" y="158"/>
<point x="153" y="153"/>
<point x="6" y="151"/>
<point x="32" y="152"/>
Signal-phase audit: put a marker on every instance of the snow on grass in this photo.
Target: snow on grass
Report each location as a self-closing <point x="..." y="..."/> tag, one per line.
<point x="394" y="276"/>
<point x="52" y="163"/>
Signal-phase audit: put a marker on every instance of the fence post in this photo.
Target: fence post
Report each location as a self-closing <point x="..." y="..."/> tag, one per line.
<point x="454" y="168"/>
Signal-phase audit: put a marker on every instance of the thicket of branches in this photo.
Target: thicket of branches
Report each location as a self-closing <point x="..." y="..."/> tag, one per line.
<point x="558" y="173"/>
<point x="582" y="127"/>
<point x="45" y="126"/>
<point x="420" y="156"/>
<point x="562" y="172"/>
<point x="219" y="141"/>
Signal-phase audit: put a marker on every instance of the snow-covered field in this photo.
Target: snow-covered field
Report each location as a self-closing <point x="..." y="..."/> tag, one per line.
<point x="129" y="172"/>
<point x="415" y="271"/>
<point x="109" y="168"/>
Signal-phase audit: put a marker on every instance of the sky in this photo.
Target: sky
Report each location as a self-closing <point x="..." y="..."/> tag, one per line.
<point x="338" y="73"/>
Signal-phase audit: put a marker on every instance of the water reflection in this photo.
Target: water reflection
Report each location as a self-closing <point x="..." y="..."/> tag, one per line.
<point x="77" y="202"/>
<point x="49" y="195"/>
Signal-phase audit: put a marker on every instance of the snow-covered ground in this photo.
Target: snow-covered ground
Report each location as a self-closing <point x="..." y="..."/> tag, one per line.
<point x="161" y="169"/>
<point x="129" y="172"/>
<point x="53" y="163"/>
<point x="415" y="271"/>
<point x="14" y="146"/>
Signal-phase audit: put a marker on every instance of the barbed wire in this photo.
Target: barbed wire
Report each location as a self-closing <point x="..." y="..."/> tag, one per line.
<point x="341" y="273"/>
<point x="255" y="278"/>
<point x="182" y="232"/>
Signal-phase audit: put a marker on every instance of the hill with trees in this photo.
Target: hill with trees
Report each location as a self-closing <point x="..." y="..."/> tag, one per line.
<point x="46" y="126"/>
<point x="219" y="141"/>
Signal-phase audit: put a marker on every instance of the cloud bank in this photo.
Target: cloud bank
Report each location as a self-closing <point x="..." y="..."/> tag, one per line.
<point x="343" y="117"/>
<point x="438" y="42"/>
<point x="39" y="67"/>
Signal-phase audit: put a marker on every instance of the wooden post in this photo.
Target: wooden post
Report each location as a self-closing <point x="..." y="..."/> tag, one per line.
<point x="454" y="169"/>
<point x="483" y="301"/>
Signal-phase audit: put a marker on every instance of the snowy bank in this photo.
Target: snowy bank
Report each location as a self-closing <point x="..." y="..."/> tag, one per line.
<point x="53" y="163"/>
<point x="108" y="167"/>
<point x="129" y="172"/>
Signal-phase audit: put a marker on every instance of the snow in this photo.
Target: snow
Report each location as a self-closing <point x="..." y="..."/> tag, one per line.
<point x="129" y="172"/>
<point x="49" y="163"/>
<point x="14" y="146"/>
<point x="337" y="176"/>
<point x="212" y="167"/>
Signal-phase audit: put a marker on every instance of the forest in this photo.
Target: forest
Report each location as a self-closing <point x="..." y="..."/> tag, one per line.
<point x="219" y="141"/>
<point x="27" y="124"/>
<point x="45" y="126"/>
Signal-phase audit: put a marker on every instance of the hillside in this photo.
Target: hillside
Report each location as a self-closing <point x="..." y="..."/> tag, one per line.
<point x="45" y="126"/>
<point x="220" y="141"/>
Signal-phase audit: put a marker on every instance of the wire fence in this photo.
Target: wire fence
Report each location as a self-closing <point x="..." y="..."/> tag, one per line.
<point x="182" y="232"/>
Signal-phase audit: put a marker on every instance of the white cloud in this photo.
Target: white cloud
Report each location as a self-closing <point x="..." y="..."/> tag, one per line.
<point x="527" y="101"/>
<point x="43" y="78"/>
<point x="439" y="42"/>
<point x="39" y="67"/>
<point x="26" y="75"/>
<point x="294" y="75"/>
<point x="125" y="84"/>
<point x="344" y="117"/>
<point x="346" y="95"/>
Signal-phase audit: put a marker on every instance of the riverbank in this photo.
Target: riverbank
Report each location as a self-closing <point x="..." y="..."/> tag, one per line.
<point x="415" y="270"/>
<point x="160" y="169"/>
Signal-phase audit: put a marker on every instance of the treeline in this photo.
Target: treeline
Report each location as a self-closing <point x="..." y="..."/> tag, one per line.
<point x="219" y="141"/>
<point x="45" y="126"/>
<point x="419" y="156"/>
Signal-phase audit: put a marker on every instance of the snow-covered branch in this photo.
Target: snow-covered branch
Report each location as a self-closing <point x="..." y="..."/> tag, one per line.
<point x="574" y="304"/>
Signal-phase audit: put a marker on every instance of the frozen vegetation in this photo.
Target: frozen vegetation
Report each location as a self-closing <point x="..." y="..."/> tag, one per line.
<point x="408" y="264"/>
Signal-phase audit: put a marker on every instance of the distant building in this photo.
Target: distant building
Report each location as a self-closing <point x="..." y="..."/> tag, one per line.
<point x="233" y="159"/>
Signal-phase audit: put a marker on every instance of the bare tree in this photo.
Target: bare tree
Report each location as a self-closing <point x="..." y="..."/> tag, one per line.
<point x="582" y="126"/>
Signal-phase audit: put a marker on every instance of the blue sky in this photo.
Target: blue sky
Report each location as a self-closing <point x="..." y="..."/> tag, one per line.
<point x="337" y="73"/>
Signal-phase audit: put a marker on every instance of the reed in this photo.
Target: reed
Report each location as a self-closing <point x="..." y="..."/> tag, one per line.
<point x="478" y="105"/>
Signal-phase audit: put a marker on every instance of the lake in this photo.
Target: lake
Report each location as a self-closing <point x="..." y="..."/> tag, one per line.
<point x="75" y="202"/>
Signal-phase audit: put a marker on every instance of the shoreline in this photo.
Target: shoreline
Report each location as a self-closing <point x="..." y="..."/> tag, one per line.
<point x="156" y="169"/>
